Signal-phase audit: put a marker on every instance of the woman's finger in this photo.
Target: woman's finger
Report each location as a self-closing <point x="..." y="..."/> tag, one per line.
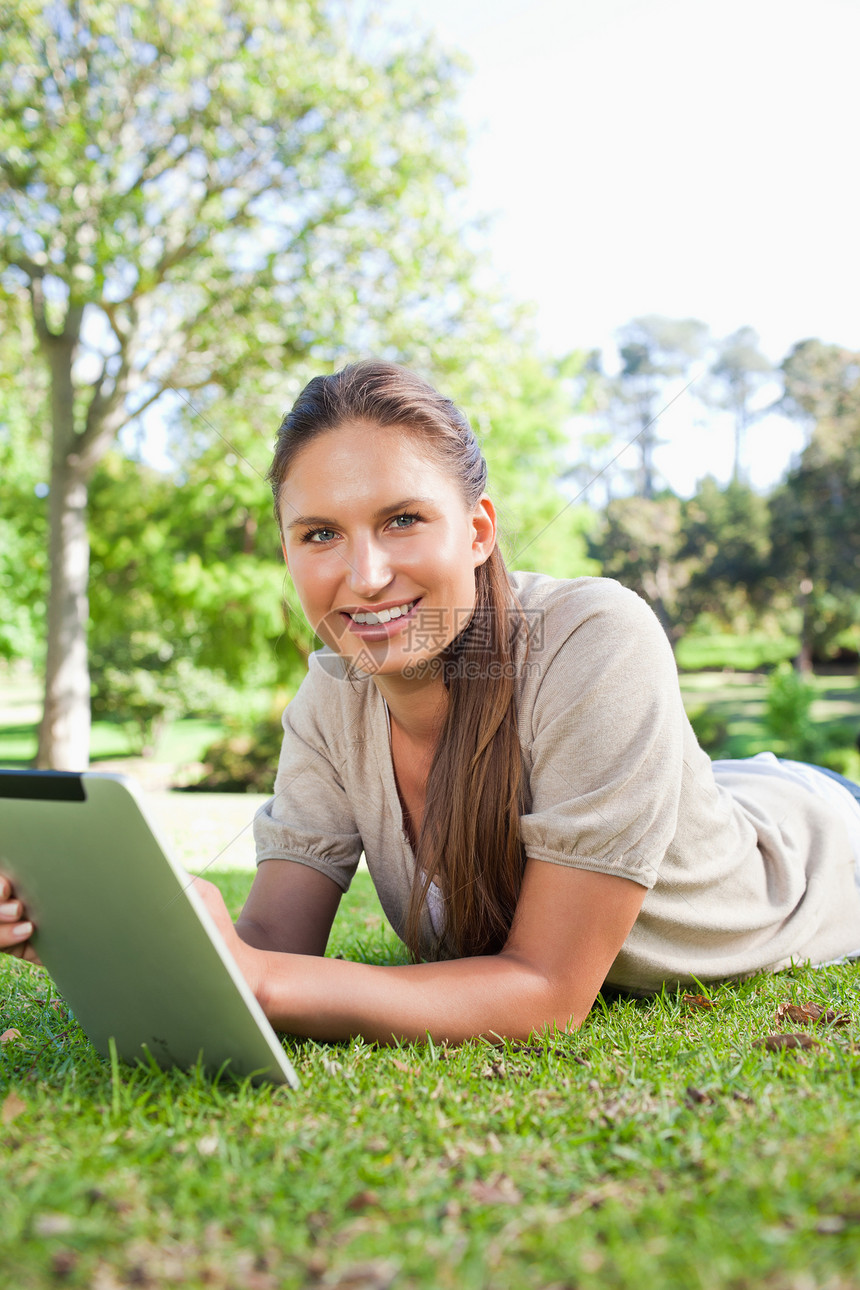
<point x="11" y="910"/>
<point x="13" y="934"/>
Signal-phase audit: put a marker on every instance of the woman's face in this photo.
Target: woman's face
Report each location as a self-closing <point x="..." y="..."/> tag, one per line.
<point x="381" y="546"/>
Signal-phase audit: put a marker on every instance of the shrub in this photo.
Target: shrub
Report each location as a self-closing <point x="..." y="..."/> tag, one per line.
<point x="243" y="761"/>
<point x="787" y="716"/>
<point x="711" y="730"/>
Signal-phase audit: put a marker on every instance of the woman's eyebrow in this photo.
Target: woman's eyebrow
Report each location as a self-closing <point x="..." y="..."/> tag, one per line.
<point x="304" y="521"/>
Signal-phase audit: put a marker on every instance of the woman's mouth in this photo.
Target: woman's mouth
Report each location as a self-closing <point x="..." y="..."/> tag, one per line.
<point x="380" y="622"/>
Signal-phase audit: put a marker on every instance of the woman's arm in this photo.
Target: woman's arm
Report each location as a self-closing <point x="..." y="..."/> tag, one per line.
<point x="290" y="908"/>
<point x="570" y="925"/>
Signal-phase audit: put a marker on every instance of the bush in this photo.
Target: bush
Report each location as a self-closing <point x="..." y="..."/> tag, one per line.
<point x="787" y="715"/>
<point x="142" y="684"/>
<point x="244" y="761"/>
<point x="711" y="730"/>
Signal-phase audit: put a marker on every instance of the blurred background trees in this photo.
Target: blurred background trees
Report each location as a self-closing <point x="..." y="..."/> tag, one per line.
<point x="194" y="219"/>
<point x="185" y="206"/>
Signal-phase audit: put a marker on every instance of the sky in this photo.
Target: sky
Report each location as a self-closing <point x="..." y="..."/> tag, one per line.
<point x="683" y="157"/>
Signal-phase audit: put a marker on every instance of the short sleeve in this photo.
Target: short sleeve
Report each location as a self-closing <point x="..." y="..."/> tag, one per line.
<point x="604" y="736"/>
<point x="309" y="819"/>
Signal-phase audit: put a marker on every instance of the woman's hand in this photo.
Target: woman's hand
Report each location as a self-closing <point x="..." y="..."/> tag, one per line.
<point x="249" y="960"/>
<point x="15" y="928"/>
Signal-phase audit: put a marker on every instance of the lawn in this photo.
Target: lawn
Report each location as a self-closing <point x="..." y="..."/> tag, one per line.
<point x="661" y="1145"/>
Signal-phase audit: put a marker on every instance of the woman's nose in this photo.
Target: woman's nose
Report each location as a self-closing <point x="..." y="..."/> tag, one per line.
<point x="368" y="569"/>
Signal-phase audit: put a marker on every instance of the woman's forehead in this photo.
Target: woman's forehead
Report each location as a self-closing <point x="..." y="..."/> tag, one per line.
<point x="365" y="448"/>
<point x="358" y="470"/>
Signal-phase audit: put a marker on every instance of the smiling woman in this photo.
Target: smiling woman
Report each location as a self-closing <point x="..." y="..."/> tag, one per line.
<point x="512" y="755"/>
<point x="370" y="561"/>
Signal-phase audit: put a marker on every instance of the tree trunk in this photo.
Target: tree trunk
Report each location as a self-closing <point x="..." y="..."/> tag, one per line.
<point x="64" y="732"/>
<point x="803" y="663"/>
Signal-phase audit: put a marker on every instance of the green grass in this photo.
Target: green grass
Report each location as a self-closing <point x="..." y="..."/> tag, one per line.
<point x="658" y="1146"/>
<point x="182" y="741"/>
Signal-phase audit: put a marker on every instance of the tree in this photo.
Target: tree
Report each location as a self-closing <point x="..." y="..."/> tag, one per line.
<point x="653" y="351"/>
<point x="523" y="415"/>
<point x="814" y="513"/>
<point x="822" y="384"/>
<point x="622" y="409"/>
<point x="640" y="542"/>
<point x="727" y="548"/>
<point x="185" y="203"/>
<point x="737" y="373"/>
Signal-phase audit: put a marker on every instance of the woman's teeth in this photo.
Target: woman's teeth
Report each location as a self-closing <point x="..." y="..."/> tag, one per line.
<point x="384" y="615"/>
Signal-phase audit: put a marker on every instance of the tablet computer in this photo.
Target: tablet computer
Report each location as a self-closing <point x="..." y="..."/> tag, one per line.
<point x="128" y="941"/>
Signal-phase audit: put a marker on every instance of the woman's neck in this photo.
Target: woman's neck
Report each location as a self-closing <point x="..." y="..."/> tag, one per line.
<point x="417" y="705"/>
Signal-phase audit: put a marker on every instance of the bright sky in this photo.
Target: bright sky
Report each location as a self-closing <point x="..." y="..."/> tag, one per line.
<point x="684" y="157"/>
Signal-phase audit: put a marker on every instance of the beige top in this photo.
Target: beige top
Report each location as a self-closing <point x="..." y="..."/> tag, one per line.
<point x="745" y="870"/>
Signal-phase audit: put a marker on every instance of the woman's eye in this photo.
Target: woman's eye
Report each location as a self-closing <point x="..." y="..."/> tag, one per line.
<point x="405" y="521"/>
<point x="319" y="535"/>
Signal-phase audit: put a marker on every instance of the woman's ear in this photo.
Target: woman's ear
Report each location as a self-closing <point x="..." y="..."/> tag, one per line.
<point x="483" y="530"/>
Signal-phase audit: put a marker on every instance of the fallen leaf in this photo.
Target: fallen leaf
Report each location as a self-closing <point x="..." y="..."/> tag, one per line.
<point x="811" y="1013"/>
<point x="402" y="1066"/>
<point x="695" y="1096"/>
<point x="496" y="1070"/>
<point x="13" y="1106"/>
<point x="830" y="1225"/>
<point x="53" y="1224"/>
<point x="698" y="1001"/>
<point x="496" y="1191"/>
<point x="10" y="1036"/>
<point x="378" y="1274"/>
<point x="63" y="1263"/>
<point x="362" y="1200"/>
<point x="793" y="1039"/>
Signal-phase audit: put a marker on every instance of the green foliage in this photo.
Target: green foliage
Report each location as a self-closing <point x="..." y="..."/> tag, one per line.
<point x="727" y="547"/>
<point x="711" y="729"/>
<point x="148" y="691"/>
<point x="788" y="717"/>
<point x="264" y="176"/>
<point x="185" y="596"/>
<point x="244" y="761"/>
<point x="739" y="702"/>
<point x="816" y="540"/>
<point x="24" y="469"/>
<point x="705" y="649"/>
<point x="639" y="541"/>
<point x="524" y="421"/>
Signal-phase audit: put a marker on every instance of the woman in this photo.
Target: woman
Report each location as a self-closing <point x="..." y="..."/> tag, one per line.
<point x="512" y="755"/>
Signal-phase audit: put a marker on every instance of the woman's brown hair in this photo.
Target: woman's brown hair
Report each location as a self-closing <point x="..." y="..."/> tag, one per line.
<point x="470" y="840"/>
